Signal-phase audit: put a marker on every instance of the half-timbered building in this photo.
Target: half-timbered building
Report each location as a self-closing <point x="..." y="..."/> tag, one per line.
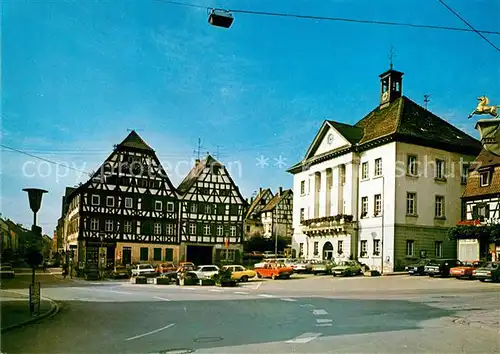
<point x="481" y="208"/>
<point x="253" y="221"/>
<point x="276" y="215"/>
<point x="127" y="212"/>
<point x="212" y="214"/>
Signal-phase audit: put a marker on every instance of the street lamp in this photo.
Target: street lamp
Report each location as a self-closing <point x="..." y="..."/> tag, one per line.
<point x="220" y="18"/>
<point x="34" y="256"/>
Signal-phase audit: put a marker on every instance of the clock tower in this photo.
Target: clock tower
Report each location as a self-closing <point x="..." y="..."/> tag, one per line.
<point x="391" y="86"/>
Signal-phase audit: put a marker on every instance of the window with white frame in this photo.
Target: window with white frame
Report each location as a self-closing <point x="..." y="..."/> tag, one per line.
<point x="438" y="249"/>
<point x="94" y="224"/>
<point x="108" y="226"/>
<point x="110" y="201"/>
<point x="316" y="248"/>
<point x="302" y="214"/>
<point x="301" y="249"/>
<point x="411" y="203"/>
<point x="410" y="247"/>
<point x="157" y="228"/>
<point x="364" y="206"/>
<point x="228" y="254"/>
<point x="411" y="165"/>
<point x="377" y="204"/>
<point x="220" y="230"/>
<point x="192" y="229"/>
<point x="302" y="187"/>
<point x="340" y="247"/>
<point x="233" y="231"/>
<point x="170" y="207"/>
<point x="364" y="170"/>
<point x="363" y="249"/>
<point x="170" y="229"/>
<point x="465" y="174"/>
<point x="96" y="199"/>
<point x="206" y="230"/>
<point x="378" y="167"/>
<point x="158" y="205"/>
<point x="376" y="247"/>
<point x="127" y="227"/>
<point x="129" y="203"/>
<point x="440" y="169"/>
<point x="208" y="209"/>
<point x="485" y="178"/>
<point x="439" y="207"/>
<point x="194" y="208"/>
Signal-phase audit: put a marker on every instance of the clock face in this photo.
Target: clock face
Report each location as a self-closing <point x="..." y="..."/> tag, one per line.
<point x="330" y="138"/>
<point x="385" y="95"/>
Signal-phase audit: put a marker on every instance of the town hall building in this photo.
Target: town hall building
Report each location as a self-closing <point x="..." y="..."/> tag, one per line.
<point x="384" y="190"/>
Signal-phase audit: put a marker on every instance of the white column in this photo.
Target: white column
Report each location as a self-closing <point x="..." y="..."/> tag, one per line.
<point x="328" y="193"/>
<point x="335" y="191"/>
<point x="322" y="195"/>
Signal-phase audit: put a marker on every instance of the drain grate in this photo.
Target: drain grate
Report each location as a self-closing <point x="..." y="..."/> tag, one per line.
<point x="208" y="339"/>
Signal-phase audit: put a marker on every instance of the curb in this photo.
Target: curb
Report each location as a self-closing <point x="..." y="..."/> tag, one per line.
<point x="54" y="309"/>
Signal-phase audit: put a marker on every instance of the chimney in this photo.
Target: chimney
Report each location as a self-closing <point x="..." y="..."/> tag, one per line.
<point x="251" y="200"/>
<point x="196" y="162"/>
<point x="280" y="191"/>
<point x="260" y="190"/>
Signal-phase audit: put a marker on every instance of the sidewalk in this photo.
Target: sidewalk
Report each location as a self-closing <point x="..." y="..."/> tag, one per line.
<point x="15" y="310"/>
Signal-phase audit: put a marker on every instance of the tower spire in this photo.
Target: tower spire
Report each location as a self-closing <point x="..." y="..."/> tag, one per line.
<point x="391" y="57"/>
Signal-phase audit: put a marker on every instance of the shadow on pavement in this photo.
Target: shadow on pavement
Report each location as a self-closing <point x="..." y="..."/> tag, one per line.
<point x="155" y="326"/>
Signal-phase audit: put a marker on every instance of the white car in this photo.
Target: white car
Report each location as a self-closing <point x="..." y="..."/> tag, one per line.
<point x="6" y="271"/>
<point x="143" y="269"/>
<point x="206" y="271"/>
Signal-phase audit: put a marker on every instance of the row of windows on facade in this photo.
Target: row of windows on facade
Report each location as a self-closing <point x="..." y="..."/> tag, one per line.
<point x="159" y="228"/>
<point x="376" y="247"/>
<point x="158" y="205"/>
<point x="129" y="203"/>
<point x="411" y="205"/>
<point x="157" y="254"/>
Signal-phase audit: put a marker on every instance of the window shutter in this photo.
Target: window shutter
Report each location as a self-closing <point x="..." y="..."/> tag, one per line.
<point x="474" y="212"/>
<point x="487" y="211"/>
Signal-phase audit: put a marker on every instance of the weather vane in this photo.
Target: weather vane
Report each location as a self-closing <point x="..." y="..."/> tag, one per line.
<point x="489" y="129"/>
<point x="484" y="108"/>
<point x="391" y="56"/>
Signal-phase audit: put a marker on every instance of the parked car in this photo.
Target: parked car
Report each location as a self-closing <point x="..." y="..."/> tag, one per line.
<point x="302" y="266"/>
<point x="143" y="270"/>
<point x="347" y="268"/>
<point x="324" y="267"/>
<point x="206" y="271"/>
<point x="490" y="271"/>
<point x="441" y="267"/>
<point x="240" y="273"/>
<point x="418" y="268"/>
<point x="466" y="269"/>
<point x="185" y="266"/>
<point x="274" y="271"/>
<point x="165" y="267"/>
<point x="6" y="271"/>
<point x="120" y="272"/>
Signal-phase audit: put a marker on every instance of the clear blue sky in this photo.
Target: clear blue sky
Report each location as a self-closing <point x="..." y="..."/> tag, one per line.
<point x="77" y="75"/>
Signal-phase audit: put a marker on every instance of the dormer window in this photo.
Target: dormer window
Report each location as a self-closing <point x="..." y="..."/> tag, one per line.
<point x="484" y="178"/>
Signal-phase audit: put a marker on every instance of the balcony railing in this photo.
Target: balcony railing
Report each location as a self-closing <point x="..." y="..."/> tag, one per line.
<point x="327" y="225"/>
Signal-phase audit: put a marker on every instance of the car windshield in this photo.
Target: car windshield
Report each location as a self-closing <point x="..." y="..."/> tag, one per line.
<point x="145" y="266"/>
<point x="492" y="265"/>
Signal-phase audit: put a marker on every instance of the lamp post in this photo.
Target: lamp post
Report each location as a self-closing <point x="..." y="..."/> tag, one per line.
<point x="35" y="257"/>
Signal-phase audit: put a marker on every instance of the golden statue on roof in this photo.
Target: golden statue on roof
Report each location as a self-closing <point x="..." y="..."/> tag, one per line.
<point x="484" y="108"/>
<point x="488" y="128"/>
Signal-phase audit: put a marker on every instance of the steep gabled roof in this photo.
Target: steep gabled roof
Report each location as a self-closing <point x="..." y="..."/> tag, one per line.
<point x="134" y="141"/>
<point x="485" y="160"/>
<point x="352" y="133"/>
<point x="273" y="203"/>
<point x="257" y="200"/>
<point x="195" y="172"/>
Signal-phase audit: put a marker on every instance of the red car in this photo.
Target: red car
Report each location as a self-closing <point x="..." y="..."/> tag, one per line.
<point x="274" y="271"/>
<point x="465" y="270"/>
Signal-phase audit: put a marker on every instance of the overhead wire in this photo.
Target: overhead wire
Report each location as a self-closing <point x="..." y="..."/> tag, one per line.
<point x="329" y="18"/>
<point x="468" y="24"/>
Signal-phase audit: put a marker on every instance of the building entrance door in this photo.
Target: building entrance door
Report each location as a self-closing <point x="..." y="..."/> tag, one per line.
<point x="328" y="250"/>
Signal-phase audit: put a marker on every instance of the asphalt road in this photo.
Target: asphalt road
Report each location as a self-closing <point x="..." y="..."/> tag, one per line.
<point x="310" y="315"/>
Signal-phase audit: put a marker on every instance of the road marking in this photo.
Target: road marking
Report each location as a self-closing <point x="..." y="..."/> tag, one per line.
<point x="319" y="312"/>
<point x="324" y="325"/>
<point x="322" y="320"/>
<point x="216" y="290"/>
<point x="188" y="288"/>
<point x="306" y="305"/>
<point x="288" y="299"/>
<point x="258" y="286"/>
<point x="155" y="331"/>
<point x="265" y="295"/>
<point x="242" y="292"/>
<point x="161" y="298"/>
<point x="107" y="291"/>
<point x="304" y="338"/>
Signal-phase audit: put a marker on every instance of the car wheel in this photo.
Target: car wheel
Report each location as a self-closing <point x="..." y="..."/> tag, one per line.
<point x="273" y="276"/>
<point x="244" y="279"/>
<point x="259" y="276"/>
<point x="482" y="280"/>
